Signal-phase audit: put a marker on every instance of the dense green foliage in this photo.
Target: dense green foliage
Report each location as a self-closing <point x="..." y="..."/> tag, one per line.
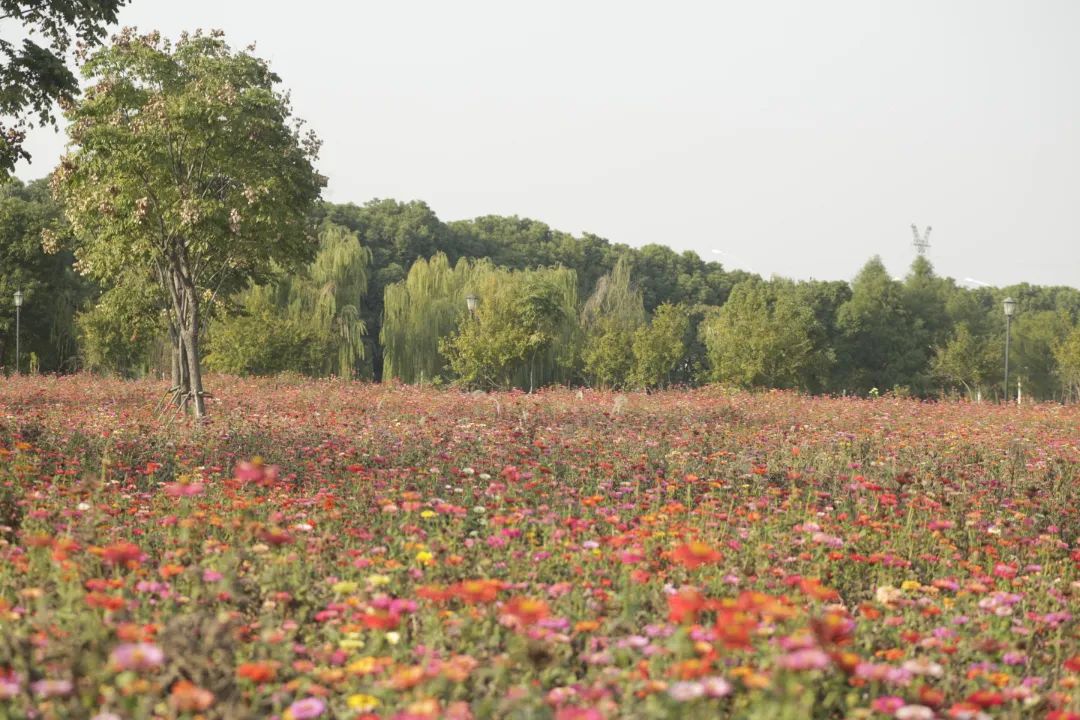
<point x="51" y="289"/>
<point x="306" y="322"/>
<point x="763" y="336"/>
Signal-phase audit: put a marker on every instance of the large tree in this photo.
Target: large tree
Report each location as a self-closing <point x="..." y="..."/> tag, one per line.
<point x="522" y="333"/>
<point x="185" y="162"/>
<point x="764" y="336"/>
<point x="33" y="73"/>
<point x="609" y="319"/>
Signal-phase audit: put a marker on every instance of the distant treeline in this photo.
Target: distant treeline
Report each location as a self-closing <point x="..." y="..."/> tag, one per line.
<point x="385" y="297"/>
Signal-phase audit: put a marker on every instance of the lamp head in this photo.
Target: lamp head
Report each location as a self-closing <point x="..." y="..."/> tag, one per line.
<point x="18" y="298"/>
<point x="1010" y="306"/>
<point x="470" y="302"/>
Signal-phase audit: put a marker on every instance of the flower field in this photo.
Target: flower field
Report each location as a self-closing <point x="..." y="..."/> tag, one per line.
<point x="337" y="550"/>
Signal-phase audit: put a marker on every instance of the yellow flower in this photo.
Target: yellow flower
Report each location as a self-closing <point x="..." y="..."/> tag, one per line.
<point x="344" y="587"/>
<point x="910" y="585"/>
<point x="362" y="703"/>
<point x="428" y="514"/>
<point x="352" y="641"/>
<point x="377" y="580"/>
<point x="424" y="557"/>
<point x="362" y="666"/>
<point x="393" y="637"/>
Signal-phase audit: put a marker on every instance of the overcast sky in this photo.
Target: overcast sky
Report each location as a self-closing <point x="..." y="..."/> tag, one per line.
<point x="792" y="137"/>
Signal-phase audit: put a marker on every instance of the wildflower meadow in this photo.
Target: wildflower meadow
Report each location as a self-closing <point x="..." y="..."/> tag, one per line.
<point x="328" y="549"/>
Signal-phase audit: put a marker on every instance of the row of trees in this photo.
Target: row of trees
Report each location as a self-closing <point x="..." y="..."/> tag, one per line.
<point x="156" y="245"/>
<point x="536" y="325"/>
<point x="922" y="335"/>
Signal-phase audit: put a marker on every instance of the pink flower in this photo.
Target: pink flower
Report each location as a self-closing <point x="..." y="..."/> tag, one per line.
<point x="9" y="687"/>
<point x="686" y="691"/>
<point x="578" y="713"/>
<point x="137" y="656"/>
<point x="914" y="712"/>
<point x="716" y="687"/>
<point x="306" y="709"/>
<point x="52" y="688"/>
<point x="805" y="659"/>
<point x="887" y="704"/>
<point x="184" y="489"/>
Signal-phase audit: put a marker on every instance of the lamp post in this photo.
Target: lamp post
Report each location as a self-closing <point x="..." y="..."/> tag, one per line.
<point x="1010" y="307"/>
<point x="18" y="306"/>
<point x="470" y="302"/>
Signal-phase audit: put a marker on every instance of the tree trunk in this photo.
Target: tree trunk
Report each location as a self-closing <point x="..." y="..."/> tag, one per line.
<point x="190" y="337"/>
<point x="180" y="387"/>
<point x="185" y="304"/>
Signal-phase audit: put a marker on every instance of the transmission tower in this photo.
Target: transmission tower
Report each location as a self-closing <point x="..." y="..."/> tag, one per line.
<point x="923" y="242"/>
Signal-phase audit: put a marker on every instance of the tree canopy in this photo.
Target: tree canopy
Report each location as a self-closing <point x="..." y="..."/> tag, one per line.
<point x="34" y="75"/>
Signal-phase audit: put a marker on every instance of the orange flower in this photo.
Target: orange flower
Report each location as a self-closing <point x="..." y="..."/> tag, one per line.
<point x="813" y="588"/>
<point x="257" y="672"/>
<point x="523" y="611"/>
<point x="186" y="696"/>
<point x="476" y="591"/>
<point x="407" y="677"/>
<point x="694" y="554"/>
<point x="586" y="626"/>
<point x="170" y="570"/>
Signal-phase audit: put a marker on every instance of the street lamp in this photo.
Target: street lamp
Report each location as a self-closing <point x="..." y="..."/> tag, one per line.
<point x="18" y="305"/>
<point x="1010" y="307"/>
<point x="470" y="302"/>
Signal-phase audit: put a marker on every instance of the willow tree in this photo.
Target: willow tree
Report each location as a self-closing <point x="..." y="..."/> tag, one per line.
<point x="306" y="321"/>
<point x="523" y="333"/>
<point x="421" y="310"/>
<point x="609" y="319"/>
<point x="184" y="161"/>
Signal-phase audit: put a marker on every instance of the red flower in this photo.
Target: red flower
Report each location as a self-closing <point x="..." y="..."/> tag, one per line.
<point x="986" y="698"/>
<point x="694" y="554"/>
<point x="121" y="552"/>
<point x="380" y="620"/>
<point x="684" y="606"/>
